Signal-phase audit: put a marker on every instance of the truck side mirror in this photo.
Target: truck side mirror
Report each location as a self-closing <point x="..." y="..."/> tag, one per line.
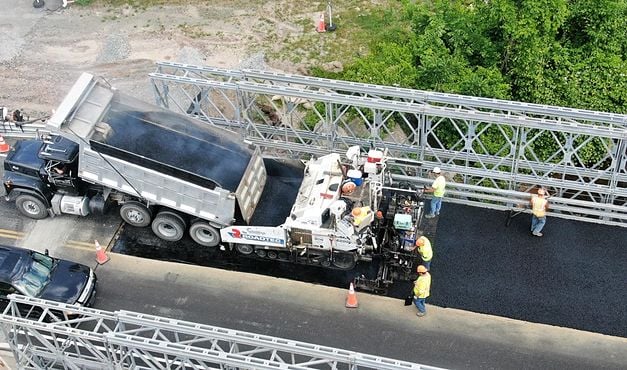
<point x="46" y="252"/>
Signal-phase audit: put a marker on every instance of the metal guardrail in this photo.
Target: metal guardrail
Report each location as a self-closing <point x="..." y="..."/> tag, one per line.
<point x="10" y="129"/>
<point x="44" y="334"/>
<point x="300" y="116"/>
<point x="516" y="202"/>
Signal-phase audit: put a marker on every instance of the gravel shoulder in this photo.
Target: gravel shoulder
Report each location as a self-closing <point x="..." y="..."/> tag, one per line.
<point x="42" y="51"/>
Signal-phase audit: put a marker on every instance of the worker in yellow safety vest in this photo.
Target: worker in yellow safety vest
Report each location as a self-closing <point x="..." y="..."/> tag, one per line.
<point x="421" y="290"/>
<point x="539" y="206"/>
<point x="437" y="188"/>
<point x="424" y="249"/>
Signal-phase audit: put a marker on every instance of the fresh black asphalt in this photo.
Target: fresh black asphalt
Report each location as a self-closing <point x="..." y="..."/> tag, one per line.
<point x="574" y="276"/>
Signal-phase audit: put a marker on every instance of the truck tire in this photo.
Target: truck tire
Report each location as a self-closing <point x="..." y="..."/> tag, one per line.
<point x="168" y="226"/>
<point x="245" y="249"/>
<point x="31" y="206"/>
<point x="204" y="234"/>
<point x="135" y="214"/>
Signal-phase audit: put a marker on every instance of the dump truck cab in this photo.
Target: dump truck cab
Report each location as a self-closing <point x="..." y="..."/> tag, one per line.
<point x="41" y="176"/>
<point x="24" y="178"/>
<point x="60" y="156"/>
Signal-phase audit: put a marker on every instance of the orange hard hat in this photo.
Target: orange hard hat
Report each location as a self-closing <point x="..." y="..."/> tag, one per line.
<point x="379" y="214"/>
<point x="421" y="269"/>
<point x="420" y="241"/>
<point x="356" y="211"/>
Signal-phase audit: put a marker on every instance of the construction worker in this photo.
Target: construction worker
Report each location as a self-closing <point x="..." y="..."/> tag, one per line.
<point x="424" y="249"/>
<point x="437" y="188"/>
<point x="421" y="290"/>
<point x="539" y="206"/>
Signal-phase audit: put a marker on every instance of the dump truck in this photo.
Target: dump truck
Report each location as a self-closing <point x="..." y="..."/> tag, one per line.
<point x="179" y="175"/>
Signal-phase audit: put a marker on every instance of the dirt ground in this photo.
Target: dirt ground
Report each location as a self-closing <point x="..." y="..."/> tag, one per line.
<point x="43" y="51"/>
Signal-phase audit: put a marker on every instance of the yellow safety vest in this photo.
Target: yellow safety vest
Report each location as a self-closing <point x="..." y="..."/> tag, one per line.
<point x="364" y="212"/>
<point x="438" y="186"/>
<point x="538" y="206"/>
<point x="422" y="286"/>
<point x="426" y="253"/>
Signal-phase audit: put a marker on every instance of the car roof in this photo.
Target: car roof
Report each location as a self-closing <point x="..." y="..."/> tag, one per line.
<point x="10" y="258"/>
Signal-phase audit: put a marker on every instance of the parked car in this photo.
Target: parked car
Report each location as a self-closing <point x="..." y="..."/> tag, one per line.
<point x="33" y="274"/>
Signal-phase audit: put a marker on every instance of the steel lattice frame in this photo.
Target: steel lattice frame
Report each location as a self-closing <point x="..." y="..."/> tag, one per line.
<point x="494" y="151"/>
<point x="28" y="130"/>
<point x="45" y="334"/>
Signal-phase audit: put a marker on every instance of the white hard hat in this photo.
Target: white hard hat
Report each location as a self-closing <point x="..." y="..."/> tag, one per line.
<point x="436" y="169"/>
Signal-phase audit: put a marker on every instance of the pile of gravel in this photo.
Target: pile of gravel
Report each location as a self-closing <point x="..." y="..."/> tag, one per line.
<point x="115" y="48"/>
<point x="190" y="55"/>
<point x="254" y="61"/>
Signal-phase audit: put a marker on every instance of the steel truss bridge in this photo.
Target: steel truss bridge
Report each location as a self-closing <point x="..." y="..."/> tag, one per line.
<point x="50" y="335"/>
<point x="495" y="152"/>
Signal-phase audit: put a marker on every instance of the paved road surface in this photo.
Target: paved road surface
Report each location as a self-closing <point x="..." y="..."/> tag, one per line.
<point x="574" y="276"/>
<point x="381" y="326"/>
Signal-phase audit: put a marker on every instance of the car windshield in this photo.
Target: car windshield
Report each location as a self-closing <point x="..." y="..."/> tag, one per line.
<point x="35" y="276"/>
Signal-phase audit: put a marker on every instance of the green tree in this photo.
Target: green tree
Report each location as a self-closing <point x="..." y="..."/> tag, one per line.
<point x="388" y="64"/>
<point x="558" y="52"/>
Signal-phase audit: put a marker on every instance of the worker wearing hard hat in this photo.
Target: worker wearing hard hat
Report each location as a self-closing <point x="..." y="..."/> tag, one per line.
<point x="437" y="188"/>
<point x="424" y="249"/>
<point x="421" y="290"/>
<point x="539" y="206"/>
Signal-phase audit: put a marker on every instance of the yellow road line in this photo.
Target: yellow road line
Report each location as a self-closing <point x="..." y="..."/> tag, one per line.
<point x="8" y="236"/>
<point x="80" y="245"/>
<point x="11" y="234"/>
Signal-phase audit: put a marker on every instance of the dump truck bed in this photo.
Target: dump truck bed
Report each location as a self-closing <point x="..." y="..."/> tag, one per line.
<point x="165" y="139"/>
<point x="163" y="157"/>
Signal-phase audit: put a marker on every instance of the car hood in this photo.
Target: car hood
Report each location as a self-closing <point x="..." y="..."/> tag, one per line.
<point x="66" y="283"/>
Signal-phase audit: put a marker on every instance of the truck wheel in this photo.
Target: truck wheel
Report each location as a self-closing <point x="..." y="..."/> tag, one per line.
<point x="204" y="234"/>
<point x="245" y="249"/>
<point x="135" y="214"/>
<point x="168" y="226"/>
<point x="31" y="206"/>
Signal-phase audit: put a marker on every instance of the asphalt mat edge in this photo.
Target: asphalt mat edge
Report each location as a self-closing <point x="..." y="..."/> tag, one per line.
<point x="574" y="276"/>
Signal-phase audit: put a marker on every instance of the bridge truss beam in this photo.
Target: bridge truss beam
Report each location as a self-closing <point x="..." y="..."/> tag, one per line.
<point x="485" y="144"/>
<point x="44" y="334"/>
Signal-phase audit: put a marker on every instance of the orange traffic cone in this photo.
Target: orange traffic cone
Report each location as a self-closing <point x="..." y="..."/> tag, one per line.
<point x="4" y="147"/>
<point x="321" y="26"/>
<point x="351" y="298"/>
<point x="101" y="255"/>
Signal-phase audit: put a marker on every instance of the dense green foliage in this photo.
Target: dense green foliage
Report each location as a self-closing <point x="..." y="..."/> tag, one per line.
<point x="559" y="52"/>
